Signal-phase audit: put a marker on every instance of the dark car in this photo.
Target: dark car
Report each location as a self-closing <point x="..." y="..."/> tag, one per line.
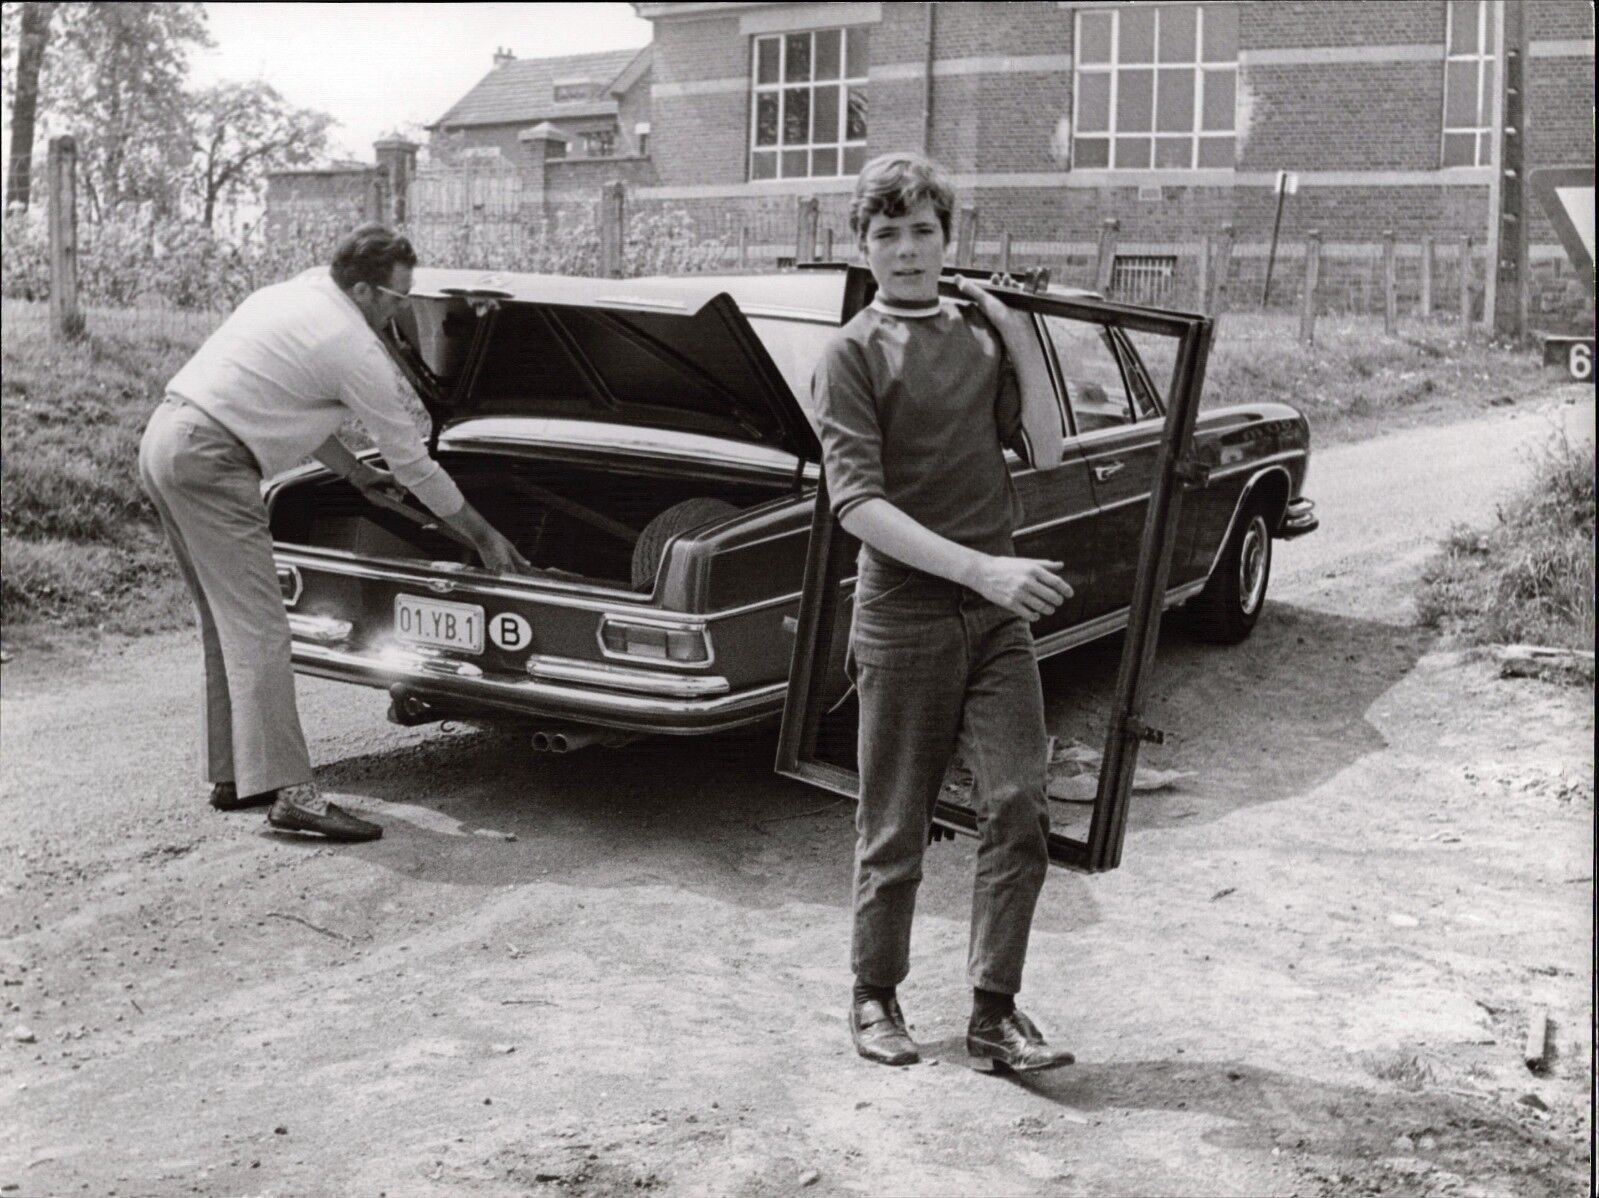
<point x="647" y="444"/>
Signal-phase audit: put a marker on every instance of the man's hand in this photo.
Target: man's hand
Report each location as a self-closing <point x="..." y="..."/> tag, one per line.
<point x="1025" y="586"/>
<point x="499" y="554"/>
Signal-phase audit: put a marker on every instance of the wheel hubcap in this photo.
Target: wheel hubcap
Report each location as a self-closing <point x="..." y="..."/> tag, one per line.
<point x="1254" y="557"/>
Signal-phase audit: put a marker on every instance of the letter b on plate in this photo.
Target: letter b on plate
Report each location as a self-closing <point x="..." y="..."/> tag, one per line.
<point x="510" y="631"/>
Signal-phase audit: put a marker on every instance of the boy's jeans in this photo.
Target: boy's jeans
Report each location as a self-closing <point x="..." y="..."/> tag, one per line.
<point x="934" y="662"/>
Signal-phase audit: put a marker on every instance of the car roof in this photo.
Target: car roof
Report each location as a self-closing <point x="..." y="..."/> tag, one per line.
<point x="803" y="294"/>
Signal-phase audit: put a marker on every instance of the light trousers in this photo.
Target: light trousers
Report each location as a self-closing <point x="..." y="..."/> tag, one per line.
<point x="206" y="487"/>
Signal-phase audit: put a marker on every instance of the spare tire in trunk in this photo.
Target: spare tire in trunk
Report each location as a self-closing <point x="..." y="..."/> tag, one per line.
<point x="679" y="518"/>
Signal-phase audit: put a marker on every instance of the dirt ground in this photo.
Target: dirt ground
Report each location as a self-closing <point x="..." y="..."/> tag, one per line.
<point x="626" y="971"/>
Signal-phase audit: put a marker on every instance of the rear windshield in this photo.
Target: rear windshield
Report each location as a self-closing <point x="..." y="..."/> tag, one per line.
<point x="795" y="347"/>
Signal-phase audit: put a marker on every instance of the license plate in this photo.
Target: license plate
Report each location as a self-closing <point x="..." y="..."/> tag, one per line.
<point x="438" y="624"/>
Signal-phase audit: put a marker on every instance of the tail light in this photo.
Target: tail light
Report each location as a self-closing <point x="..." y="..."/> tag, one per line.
<point x="685" y="644"/>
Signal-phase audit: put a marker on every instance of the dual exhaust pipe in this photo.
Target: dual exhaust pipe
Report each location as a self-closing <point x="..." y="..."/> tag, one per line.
<point x="409" y="709"/>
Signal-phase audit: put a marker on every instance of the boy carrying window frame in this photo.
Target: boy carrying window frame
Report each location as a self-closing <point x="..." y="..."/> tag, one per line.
<point x="916" y="401"/>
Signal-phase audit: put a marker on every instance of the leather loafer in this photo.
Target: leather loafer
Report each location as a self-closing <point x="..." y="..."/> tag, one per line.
<point x="1011" y="1041"/>
<point x="878" y="1028"/>
<point x="335" y="823"/>
<point x="225" y="796"/>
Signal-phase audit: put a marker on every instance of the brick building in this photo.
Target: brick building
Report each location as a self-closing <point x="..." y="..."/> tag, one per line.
<point x="1174" y="119"/>
<point x="1171" y="118"/>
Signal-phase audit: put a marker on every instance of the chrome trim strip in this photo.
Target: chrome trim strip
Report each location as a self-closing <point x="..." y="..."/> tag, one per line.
<point x="612" y="707"/>
<point x="1105" y="625"/>
<point x="547" y="591"/>
<point x="568" y="669"/>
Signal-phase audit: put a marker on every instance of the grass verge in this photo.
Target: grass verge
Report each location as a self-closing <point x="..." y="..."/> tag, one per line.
<point x="1354" y="382"/>
<point x="82" y="548"/>
<point x="1529" y="579"/>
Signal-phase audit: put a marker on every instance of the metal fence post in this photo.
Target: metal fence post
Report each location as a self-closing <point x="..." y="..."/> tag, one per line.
<point x="827" y="244"/>
<point x="807" y="212"/>
<point x="966" y="237"/>
<point x="1004" y="253"/>
<point x="1427" y="254"/>
<point x="743" y="247"/>
<point x="1390" y="294"/>
<point x="1202" y="285"/>
<point x="1465" y="281"/>
<point x="612" y="203"/>
<point x="1107" y="256"/>
<point x="1307" y="303"/>
<point x="66" y="320"/>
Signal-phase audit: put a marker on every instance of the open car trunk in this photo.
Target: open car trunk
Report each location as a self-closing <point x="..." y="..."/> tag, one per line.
<point x="591" y="521"/>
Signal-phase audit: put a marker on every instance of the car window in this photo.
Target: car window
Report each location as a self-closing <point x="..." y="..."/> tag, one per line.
<point x="1094" y="384"/>
<point x="795" y="347"/>
<point x="1159" y="356"/>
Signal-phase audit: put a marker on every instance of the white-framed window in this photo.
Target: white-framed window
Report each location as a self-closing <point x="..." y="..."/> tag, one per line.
<point x="1469" y="84"/>
<point x="599" y="143"/>
<point x="641" y="139"/>
<point x="1155" y="86"/>
<point x="808" y="103"/>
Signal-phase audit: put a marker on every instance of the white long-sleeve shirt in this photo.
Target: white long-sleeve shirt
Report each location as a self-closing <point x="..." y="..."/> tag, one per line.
<point x="292" y="364"/>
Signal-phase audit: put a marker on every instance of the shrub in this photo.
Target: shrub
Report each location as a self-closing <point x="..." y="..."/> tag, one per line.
<point x="1530" y="577"/>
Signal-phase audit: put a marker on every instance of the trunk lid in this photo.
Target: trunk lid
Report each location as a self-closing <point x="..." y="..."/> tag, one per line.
<point x="671" y="354"/>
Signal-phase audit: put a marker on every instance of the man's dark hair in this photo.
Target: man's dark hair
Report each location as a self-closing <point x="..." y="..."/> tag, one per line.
<point x="369" y="255"/>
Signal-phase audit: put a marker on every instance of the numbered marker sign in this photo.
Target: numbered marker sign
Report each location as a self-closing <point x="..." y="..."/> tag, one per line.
<point x="510" y="631"/>
<point x="1579" y="361"/>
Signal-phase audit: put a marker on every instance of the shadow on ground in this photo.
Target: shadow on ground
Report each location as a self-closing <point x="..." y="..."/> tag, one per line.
<point x="1256" y="723"/>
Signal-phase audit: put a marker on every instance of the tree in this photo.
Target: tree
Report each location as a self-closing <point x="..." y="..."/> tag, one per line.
<point x="239" y="131"/>
<point x="114" y="78"/>
<point x="32" y="36"/>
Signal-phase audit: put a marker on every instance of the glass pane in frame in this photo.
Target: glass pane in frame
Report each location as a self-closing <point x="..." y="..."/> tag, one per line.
<point x="1135" y="101"/>
<point x="1093" y="102"/>
<point x="1176" y="40"/>
<point x="1174" y="101"/>
<point x="797" y="58"/>
<point x="1220" y="27"/>
<point x="796" y="116"/>
<point x="763" y="165"/>
<point x="766" y="118"/>
<point x="1093" y="37"/>
<point x="857" y="40"/>
<point x="796" y="164"/>
<point x="1136" y="35"/>
<point x="768" y="53"/>
<point x="829" y="57"/>
<point x="1221" y="100"/>
<point x="1133" y="153"/>
<point x="1460" y="149"/>
<point x="1092" y="153"/>
<point x="855" y="115"/>
<point x="824" y="115"/>
<point x="1174" y="152"/>
<point x="1217" y="152"/>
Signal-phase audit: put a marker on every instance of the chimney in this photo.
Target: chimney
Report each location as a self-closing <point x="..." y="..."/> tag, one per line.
<point x="503" y="55"/>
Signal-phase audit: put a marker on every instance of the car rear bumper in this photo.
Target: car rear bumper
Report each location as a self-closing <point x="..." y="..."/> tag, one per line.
<point x="1298" y="519"/>
<point x="556" y="689"/>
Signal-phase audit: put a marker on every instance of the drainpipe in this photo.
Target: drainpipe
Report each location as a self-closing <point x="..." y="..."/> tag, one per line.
<point x="927" y="83"/>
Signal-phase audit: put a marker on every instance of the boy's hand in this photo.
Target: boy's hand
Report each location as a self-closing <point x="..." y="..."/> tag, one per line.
<point x="1025" y="586"/>
<point x="986" y="303"/>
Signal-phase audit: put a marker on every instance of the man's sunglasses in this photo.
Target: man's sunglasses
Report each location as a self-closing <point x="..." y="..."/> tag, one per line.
<point x="402" y="296"/>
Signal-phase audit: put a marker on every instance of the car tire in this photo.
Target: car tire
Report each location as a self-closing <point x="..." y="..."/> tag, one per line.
<point x="674" y="521"/>
<point x="1226" y="611"/>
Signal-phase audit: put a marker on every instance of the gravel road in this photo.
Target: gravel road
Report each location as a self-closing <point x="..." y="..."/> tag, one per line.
<point x="624" y="971"/>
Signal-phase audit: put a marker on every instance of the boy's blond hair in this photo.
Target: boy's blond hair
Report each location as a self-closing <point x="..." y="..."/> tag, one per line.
<point x="893" y="184"/>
